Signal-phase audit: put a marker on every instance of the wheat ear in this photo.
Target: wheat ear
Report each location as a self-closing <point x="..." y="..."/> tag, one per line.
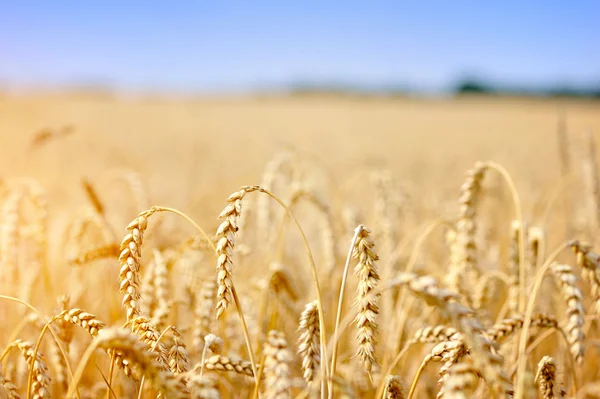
<point x="509" y="326"/>
<point x="41" y="379"/>
<point x="589" y="262"/>
<point x="278" y="375"/>
<point x="177" y="354"/>
<point x="464" y="250"/>
<point x="224" y="363"/>
<point x="203" y="387"/>
<point x="141" y="360"/>
<point x="394" y="388"/>
<point x="109" y="251"/>
<point x="161" y="290"/>
<point x="546" y="379"/>
<point x="460" y="381"/>
<point x="308" y="344"/>
<point x="513" y="266"/>
<point x="148" y="333"/>
<point x="9" y="387"/>
<point x="486" y="357"/>
<point x="203" y="314"/>
<point x="575" y="311"/>
<point x="225" y="246"/>
<point x="368" y="310"/>
<point x="130" y="260"/>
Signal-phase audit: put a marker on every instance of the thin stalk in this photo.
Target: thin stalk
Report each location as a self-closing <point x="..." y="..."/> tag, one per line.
<point x="409" y="267"/>
<point x="324" y="366"/>
<point x="110" y="376"/>
<point x="522" y="348"/>
<point x="518" y="216"/>
<point x="338" y="316"/>
<point x="413" y="386"/>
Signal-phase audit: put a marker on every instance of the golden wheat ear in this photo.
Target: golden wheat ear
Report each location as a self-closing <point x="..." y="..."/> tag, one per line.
<point x="277" y="369"/>
<point x="368" y="309"/>
<point x="309" y="347"/>
<point x="546" y="379"/>
<point x="573" y="297"/>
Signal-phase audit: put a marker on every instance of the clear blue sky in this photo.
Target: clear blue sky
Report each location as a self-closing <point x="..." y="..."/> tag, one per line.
<point x="228" y="45"/>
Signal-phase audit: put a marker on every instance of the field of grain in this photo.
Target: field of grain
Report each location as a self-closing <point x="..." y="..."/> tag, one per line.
<point x="332" y="246"/>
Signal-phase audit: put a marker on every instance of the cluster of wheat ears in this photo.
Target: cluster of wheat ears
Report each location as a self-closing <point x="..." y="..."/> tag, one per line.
<point x="313" y="306"/>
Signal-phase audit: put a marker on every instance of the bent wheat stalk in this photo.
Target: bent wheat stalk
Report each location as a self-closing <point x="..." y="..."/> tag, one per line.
<point x="228" y="211"/>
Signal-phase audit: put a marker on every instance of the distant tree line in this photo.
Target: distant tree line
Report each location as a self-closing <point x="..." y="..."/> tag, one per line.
<point x="474" y="86"/>
<point x="462" y="87"/>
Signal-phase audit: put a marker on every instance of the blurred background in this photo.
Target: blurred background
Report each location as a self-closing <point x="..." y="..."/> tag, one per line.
<point x="197" y="97"/>
<point x="203" y="47"/>
<point x="350" y="112"/>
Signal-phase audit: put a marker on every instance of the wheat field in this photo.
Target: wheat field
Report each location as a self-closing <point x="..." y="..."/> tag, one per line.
<point x="298" y="246"/>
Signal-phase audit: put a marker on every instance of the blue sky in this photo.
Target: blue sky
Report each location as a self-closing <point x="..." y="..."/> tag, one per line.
<point x="212" y="46"/>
